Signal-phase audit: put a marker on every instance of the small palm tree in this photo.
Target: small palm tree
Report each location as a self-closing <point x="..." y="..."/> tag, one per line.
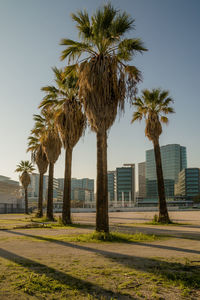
<point x="105" y="79"/>
<point x="47" y="132"/>
<point x="39" y="157"/>
<point x="153" y="106"/>
<point x="71" y="123"/>
<point x="25" y="168"/>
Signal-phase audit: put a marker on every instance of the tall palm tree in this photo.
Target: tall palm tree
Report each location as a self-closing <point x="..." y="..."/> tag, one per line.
<point x="25" y="168"/>
<point x="49" y="138"/>
<point x="153" y="106"/>
<point x="39" y="157"/>
<point x="71" y="123"/>
<point x="105" y="80"/>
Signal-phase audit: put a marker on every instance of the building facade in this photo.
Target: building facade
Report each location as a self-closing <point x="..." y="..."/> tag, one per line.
<point x="142" y="180"/>
<point x="111" y="177"/>
<point x="11" y="200"/>
<point x="9" y="190"/>
<point x="174" y="159"/>
<point x="82" y="190"/>
<point x="125" y="179"/>
<point x="188" y="185"/>
<point x="33" y="188"/>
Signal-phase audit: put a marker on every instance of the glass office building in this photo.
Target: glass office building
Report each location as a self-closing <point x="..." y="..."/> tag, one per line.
<point x="141" y="180"/>
<point x="188" y="184"/>
<point x="174" y="159"/>
<point x="111" y="176"/>
<point x="125" y="177"/>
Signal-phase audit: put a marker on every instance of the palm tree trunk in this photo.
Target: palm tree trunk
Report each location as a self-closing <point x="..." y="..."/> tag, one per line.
<point x="40" y="199"/>
<point x="163" y="213"/>
<point x="26" y="201"/>
<point x="66" y="210"/>
<point x="50" y="193"/>
<point x="102" y="188"/>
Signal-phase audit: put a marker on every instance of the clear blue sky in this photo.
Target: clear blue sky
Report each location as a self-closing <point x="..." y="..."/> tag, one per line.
<point x="30" y="31"/>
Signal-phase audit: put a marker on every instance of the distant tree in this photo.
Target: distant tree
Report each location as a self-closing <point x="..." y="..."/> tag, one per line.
<point x="71" y="124"/>
<point x="39" y="157"/>
<point x="25" y="168"/>
<point x="47" y="132"/>
<point x="105" y="80"/>
<point x="153" y="106"/>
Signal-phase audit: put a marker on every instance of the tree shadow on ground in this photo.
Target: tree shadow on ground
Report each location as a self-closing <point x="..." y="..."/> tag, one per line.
<point x="168" y="232"/>
<point x="132" y="219"/>
<point x="186" y="274"/>
<point x="68" y="244"/>
<point x="85" y="287"/>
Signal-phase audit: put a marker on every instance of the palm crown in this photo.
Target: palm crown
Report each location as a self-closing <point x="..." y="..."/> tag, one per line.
<point x="102" y="34"/>
<point x="153" y="106"/>
<point x="100" y="59"/>
<point x="65" y="89"/>
<point x="25" y="166"/>
<point x="38" y="155"/>
<point x="63" y="100"/>
<point x="46" y="130"/>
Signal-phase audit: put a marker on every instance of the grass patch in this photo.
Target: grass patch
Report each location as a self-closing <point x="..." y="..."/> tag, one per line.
<point x="164" y="224"/>
<point x="94" y="278"/>
<point x="58" y="223"/>
<point x="113" y="237"/>
<point x="155" y="221"/>
<point x="186" y="275"/>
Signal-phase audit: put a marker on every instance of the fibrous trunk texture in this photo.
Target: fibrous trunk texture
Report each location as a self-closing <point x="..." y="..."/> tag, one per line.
<point x="66" y="211"/>
<point x="26" y="201"/>
<point x="102" y="195"/>
<point x="40" y="199"/>
<point x="50" y="193"/>
<point x="163" y="213"/>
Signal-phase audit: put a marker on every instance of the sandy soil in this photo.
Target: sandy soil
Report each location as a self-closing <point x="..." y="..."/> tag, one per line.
<point x="184" y="240"/>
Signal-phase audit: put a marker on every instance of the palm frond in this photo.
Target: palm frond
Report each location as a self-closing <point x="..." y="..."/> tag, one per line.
<point x="137" y="116"/>
<point x="128" y="47"/>
<point x="164" y="119"/>
<point x="83" y="23"/>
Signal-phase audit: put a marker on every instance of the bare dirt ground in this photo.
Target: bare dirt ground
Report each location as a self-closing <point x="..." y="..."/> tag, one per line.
<point x="146" y="263"/>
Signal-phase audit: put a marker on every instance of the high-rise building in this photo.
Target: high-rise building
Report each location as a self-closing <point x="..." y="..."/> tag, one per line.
<point x="111" y="176"/>
<point x="141" y="180"/>
<point x="188" y="184"/>
<point x="33" y="188"/>
<point x="81" y="189"/>
<point x="61" y="183"/>
<point x="88" y="184"/>
<point x="125" y="178"/>
<point x="174" y="159"/>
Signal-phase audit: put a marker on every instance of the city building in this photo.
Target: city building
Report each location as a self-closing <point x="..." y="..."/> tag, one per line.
<point x="10" y="196"/>
<point x="125" y="179"/>
<point x="33" y="188"/>
<point x="141" y="180"/>
<point x="9" y="190"/>
<point x="111" y="176"/>
<point x="174" y="159"/>
<point x="81" y="189"/>
<point x="188" y="185"/>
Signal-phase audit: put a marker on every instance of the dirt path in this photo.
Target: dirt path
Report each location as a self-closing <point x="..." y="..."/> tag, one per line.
<point x="138" y="269"/>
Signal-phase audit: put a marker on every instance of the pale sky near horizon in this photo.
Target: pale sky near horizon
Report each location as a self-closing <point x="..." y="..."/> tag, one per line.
<point x="30" y="32"/>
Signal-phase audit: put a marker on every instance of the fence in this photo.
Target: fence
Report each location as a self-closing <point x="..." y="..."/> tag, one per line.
<point x="10" y="208"/>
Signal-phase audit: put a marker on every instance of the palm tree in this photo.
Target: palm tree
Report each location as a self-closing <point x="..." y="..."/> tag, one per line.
<point x="49" y="138"/>
<point x="25" y="168"/>
<point x="39" y="157"/>
<point x="71" y="123"/>
<point x="153" y="106"/>
<point x="105" y="80"/>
